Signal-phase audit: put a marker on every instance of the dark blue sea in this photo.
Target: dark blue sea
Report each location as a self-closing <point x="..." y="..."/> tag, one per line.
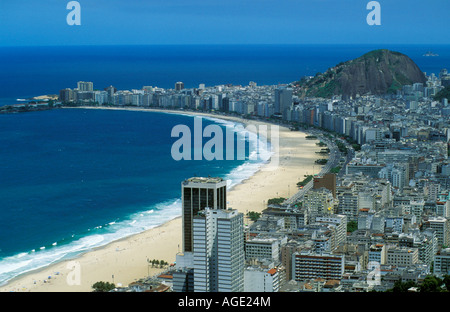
<point x="75" y="179"/>
<point x="33" y="71"/>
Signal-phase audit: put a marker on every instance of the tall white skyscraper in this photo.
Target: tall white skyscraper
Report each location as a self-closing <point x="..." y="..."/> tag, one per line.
<point x="218" y="253"/>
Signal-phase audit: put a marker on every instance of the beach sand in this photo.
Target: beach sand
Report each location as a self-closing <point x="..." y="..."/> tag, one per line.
<point x="125" y="261"/>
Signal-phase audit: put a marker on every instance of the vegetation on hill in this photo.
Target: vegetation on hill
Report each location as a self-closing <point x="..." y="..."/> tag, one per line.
<point x="443" y="94"/>
<point x="376" y="72"/>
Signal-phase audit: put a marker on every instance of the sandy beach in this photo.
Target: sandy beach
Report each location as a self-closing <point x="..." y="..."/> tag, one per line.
<point x="125" y="261"/>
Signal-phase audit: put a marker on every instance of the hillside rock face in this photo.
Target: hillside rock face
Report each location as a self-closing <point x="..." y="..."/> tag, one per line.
<point x="377" y="72"/>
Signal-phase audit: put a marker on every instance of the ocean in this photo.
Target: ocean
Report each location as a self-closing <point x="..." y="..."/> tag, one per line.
<point x="75" y="179"/>
<point x="34" y="71"/>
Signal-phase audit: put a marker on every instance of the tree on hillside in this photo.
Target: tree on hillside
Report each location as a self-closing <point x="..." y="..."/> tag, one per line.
<point x="431" y="284"/>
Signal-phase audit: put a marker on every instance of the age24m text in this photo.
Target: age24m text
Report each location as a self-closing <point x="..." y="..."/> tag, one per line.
<point x="226" y="302"/>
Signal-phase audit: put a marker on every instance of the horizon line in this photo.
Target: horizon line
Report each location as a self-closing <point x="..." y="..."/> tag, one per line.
<point x="222" y="44"/>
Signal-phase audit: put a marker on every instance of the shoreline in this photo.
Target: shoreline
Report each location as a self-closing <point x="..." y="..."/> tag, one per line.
<point x="125" y="260"/>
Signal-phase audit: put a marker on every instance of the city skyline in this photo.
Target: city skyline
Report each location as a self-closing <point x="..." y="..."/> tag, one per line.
<point x="25" y="23"/>
<point x="359" y="200"/>
<point x="385" y="213"/>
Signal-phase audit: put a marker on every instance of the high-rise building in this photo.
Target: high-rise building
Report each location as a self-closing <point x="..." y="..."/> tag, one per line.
<point x="442" y="262"/>
<point x="376" y="255"/>
<point x="401" y="256"/>
<point x="179" y="86"/>
<point x="199" y="193"/>
<point x="218" y="256"/>
<point x="308" y="265"/>
<point x="110" y="91"/>
<point x="337" y="225"/>
<point x="101" y="97"/>
<point x="264" y="248"/>
<point x="319" y="202"/>
<point x="442" y="228"/>
<point x="283" y="100"/>
<point x="183" y="279"/>
<point x="348" y="202"/>
<point x="66" y="95"/>
<point x="85" y="86"/>
<point x="425" y="241"/>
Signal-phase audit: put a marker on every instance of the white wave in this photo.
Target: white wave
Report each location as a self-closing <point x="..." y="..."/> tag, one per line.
<point x="13" y="264"/>
<point x="24" y="262"/>
<point x="260" y="152"/>
<point x="147" y="218"/>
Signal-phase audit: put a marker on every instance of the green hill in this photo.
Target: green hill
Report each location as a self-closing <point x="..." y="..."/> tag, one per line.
<point x="376" y="72"/>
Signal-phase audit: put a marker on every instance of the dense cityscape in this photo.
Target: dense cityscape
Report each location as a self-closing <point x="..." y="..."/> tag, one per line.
<point x="376" y="218"/>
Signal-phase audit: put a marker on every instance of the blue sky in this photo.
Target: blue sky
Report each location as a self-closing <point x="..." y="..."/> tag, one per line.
<point x="43" y="22"/>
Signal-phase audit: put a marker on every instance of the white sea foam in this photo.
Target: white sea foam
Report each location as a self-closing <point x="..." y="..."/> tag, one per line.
<point x="24" y="262"/>
<point x="260" y="152"/>
<point x="147" y="218"/>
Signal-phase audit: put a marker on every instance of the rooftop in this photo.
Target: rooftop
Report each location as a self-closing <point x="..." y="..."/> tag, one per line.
<point x="204" y="180"/>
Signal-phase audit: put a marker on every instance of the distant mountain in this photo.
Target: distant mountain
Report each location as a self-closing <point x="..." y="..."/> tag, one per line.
<point x="377" y="72"/>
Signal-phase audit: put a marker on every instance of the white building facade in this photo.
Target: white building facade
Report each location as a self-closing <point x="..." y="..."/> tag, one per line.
<point x="218" y="256"/>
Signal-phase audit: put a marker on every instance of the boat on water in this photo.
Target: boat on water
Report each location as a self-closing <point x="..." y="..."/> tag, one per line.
<point x="429" y="53"/>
